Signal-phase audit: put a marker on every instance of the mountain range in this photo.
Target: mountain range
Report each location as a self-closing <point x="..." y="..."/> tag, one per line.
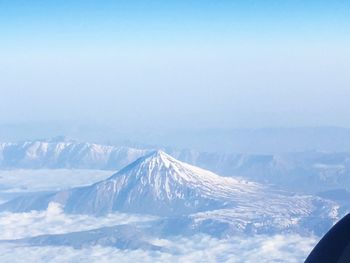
<point x="304" y="172"/>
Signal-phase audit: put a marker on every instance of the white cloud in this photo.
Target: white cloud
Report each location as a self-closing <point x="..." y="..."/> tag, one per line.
<point x="288" y="248"/>
<point x="23" y="180"/>
<point x="54" y="221"/>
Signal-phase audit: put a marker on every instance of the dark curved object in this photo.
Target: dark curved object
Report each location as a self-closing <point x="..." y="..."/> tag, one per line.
<point x="334" y="247"/>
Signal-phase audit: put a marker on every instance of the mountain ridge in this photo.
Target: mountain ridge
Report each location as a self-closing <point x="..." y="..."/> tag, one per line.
<point x="304" y="172"/>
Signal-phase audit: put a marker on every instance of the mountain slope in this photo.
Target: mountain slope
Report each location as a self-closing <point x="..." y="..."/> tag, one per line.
<point x="161" y="185"/>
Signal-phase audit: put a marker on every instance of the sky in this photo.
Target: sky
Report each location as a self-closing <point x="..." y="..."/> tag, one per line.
<point x="150" y="65"/>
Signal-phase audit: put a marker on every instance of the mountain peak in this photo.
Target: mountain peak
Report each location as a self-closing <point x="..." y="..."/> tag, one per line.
<point x="155" y="164"/>
<point x="159" y="154"/>
<point x="160" y="157"/>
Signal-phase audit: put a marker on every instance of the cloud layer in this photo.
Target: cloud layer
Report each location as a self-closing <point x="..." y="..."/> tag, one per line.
<point x="54" y="221"/>
<point x="22" y="180"/>
<point x="289" y="248"/>
<point x="199" y="248"/>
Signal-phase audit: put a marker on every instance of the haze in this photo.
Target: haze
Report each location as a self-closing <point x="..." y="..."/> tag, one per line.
<point x="155" y="65"/>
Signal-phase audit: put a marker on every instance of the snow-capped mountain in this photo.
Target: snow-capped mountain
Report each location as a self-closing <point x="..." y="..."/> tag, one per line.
<point x="154" y="184"/>
<point x="66" y="154"/>
<point x="158" y="184"/>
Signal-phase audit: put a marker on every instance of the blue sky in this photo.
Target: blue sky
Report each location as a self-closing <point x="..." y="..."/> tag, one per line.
<point x="165" y="64"/>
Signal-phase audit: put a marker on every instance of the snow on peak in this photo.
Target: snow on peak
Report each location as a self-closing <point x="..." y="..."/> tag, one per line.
<point x="160" y="158"/>
<point x="158" y="169"/>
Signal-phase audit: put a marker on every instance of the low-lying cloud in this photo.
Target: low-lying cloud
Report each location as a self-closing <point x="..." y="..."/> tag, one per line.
<point x="288" y="248"/>
<point x="54" y="221"/>
<point x="27" y="180"/>
<point x="199" y="248"/>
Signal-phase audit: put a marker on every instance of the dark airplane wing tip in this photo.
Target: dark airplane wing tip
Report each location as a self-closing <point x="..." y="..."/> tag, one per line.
<point x="334" y="247"/>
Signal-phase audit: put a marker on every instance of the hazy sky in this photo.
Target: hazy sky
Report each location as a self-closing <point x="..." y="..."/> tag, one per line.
<point x="152" y="64"/>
